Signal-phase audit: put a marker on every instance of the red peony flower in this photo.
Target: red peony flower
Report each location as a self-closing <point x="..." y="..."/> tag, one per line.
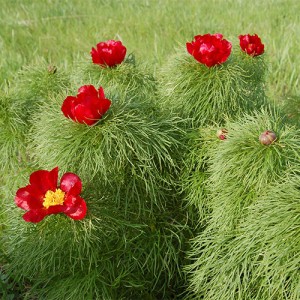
<point x="251" y="44"/>
<point x="209" y="49"/>
<point x="109" y="53"/>
<point x="87" y="107"/>
<point x="43" y="197"/>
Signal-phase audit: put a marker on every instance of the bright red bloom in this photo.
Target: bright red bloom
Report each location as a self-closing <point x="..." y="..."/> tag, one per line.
<point x="109" y="53"/>
<point x="43" y="197"/>
<point x="87" y="107"/>
<point x="251" y="44"/>
<point x="209" y="49"/>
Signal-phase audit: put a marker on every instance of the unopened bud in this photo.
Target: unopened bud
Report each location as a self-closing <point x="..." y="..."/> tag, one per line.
<point x="222" y="133"/>
<point x="52" y="69"/>
<point x="267" y="137"/>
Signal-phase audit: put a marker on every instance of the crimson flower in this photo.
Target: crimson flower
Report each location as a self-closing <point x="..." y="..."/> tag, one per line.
<point x="209" y="49"/>
<point x="43" y="197"/>
<point x="87" y="107"/>
<point x="109" y="53"/>
<point x="251" y="44"/>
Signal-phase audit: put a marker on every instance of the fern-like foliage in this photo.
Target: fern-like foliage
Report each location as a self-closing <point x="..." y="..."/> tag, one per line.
<point x="210" y="95"/>
<point x="241" y="172"/>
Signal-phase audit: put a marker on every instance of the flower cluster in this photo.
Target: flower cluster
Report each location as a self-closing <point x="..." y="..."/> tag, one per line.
<point x="90" y="104"/>
<point x="212" y="49"/>
<point x="44" y="197"/>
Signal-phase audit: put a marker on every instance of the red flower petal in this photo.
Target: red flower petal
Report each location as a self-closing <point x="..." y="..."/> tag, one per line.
<point x="218" y="36"/>
<point x="119" y="52"/>
<point x="190" y="48"/>
<point x="88" y="90"/>
<point x="35" y="216"/>
<point x="80" y="211"/>
<point x="71" y="183"/>
<point x="95" y="57"/>
<point x="104" y="105"/>
<point x="84" y="115"/>
<point x="107" y="57"/>
<point x="44" y="180"/>
<point x="67" y="106"/>
<point x="88" y="97"/>
<point x="71" y="202"/>
<point x="55" y="209"/>
<point x="101" y="93"/>
<point x="28" y="198"/>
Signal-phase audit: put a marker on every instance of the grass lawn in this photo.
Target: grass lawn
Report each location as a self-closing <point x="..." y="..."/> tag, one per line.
<point x="61" y="32"/>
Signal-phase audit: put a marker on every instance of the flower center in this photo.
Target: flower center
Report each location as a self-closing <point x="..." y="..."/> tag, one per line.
<point x="54" y="198"/>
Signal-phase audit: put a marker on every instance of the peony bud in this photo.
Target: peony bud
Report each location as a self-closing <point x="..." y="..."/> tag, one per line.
<point x="52" y="69"/>
<point x="222" y="134"/>
<point x="267" y="137"/>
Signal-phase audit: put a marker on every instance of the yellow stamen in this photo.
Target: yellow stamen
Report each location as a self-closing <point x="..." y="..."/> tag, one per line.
<point x="54" y="198"/>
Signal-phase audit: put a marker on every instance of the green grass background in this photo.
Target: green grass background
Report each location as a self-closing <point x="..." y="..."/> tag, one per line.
<point x="62" y="31"/>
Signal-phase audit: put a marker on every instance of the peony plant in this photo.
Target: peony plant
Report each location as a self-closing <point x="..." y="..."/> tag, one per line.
<point x="141" y="167"/>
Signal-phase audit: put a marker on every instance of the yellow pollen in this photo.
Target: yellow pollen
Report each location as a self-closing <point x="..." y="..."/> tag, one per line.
<point x="54" y="198"/>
